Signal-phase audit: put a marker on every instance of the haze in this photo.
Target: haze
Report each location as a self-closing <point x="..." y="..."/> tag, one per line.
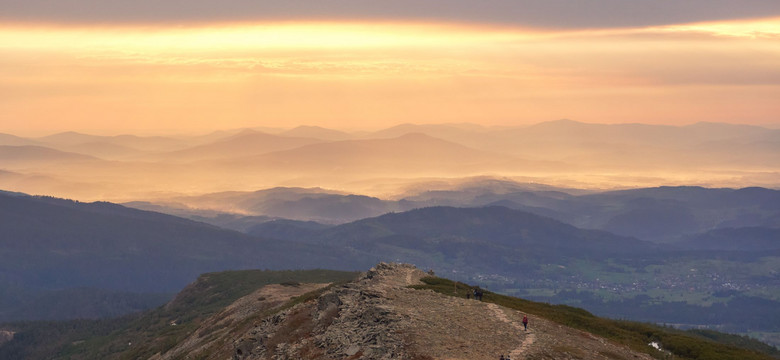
<point x="191" y="79"/>
<point x="389" y="162"/>
<point x="110" y="68"/>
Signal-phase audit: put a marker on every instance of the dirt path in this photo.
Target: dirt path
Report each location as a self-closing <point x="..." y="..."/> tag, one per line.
<point x="529" y="336"/>
<point x="379" y="317"/>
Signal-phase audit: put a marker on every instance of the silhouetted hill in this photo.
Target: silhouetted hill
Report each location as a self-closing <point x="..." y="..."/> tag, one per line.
<point x="70" y="138"/>
<point x="9" y="176"/>
<point x="315" y="204"/>
<point x="565" y="153"/>
<point x="103" y="150"/>
<point x="28" y="156"/>
<point x="494" y="239"/>
<point x="666" y="212"/>
<point x="739" y="239"/>
<point x="636" y="146"/>
<point x="50" y="244"/>
<point x="224" y="220"/>
<point x="662" y="214"/>
<point x="145" y="143"/>
<point x="13" y="140"/>
<point x="326" y="208"/>
<point x="287" y="229"/>
<point x="245" y="143"/>
<point x="658" y="214"/>
<point x="422" y="154"/>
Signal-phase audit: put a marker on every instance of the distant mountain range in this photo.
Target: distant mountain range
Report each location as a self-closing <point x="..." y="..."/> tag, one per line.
<point x="245" y="143"/>
<point x="51" y="244"/>
<point x="663" y="214"/>
<point x="30" y="156"/>
<point x="563" y="152"/>
<point x="491" y="239"/>
<point x="50" y="248"/>
<point x="419" y="154"/>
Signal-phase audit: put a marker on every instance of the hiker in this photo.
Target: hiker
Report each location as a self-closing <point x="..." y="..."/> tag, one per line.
<point x="501" y="357"/>
<point x="525" y="322"/>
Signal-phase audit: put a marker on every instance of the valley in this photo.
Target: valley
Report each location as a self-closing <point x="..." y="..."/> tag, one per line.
<point x="687" y="256"/>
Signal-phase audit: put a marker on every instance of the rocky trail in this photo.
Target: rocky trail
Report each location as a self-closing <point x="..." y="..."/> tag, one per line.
<point x="380" y="317"/>
<point x="528" y="336"/>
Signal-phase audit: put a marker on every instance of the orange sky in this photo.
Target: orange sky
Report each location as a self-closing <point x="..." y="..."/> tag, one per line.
<point x="198" y="78"/>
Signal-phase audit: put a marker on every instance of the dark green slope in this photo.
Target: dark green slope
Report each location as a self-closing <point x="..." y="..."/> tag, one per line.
<point x="662" y="214"/>
<point x="739" y="239"/>
<point x="151" y="330"/>
<point x="683" y="345"/>
<point x="52" y="244"/>
<point x="495" y="239"/>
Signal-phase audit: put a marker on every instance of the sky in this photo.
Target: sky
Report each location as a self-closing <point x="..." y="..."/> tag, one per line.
<point x="113" y="67"/>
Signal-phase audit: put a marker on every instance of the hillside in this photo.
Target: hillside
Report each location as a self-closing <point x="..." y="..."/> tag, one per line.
<point x="519" y="253"/>
<point x="50" y="244"/>
<point x="491" y="239"/>
<point x="393" y="311"/>
<point x="290" y="203"/>
<point x="13" y="140"/>
<point x="30" y="156"/>
<point x="660" y="214"/>
<point x="144" y="143"/>
<point x="71" y="246"/>
<point x="245" y="143"/>
<point x="419" y="153"/>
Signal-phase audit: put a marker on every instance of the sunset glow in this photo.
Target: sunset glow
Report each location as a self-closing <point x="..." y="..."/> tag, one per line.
<point x="368" y="75"/>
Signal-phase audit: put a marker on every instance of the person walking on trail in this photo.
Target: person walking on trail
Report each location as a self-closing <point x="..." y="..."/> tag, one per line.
<point x="525" y="322"/>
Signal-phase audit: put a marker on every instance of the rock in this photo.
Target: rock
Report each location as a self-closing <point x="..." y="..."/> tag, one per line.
<point x="378" y="317"/>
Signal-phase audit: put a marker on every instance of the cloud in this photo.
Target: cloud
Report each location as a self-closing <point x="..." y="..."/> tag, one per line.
<point x="529" y="13"/>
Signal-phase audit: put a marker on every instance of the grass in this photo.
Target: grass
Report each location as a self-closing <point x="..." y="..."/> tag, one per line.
<point x="635" y="335"/>
<point x="152" y="332"/>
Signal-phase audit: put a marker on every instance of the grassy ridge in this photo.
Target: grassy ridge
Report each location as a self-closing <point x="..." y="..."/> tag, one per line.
<point x="684" y="345"/>
<point x="142" y="335"/>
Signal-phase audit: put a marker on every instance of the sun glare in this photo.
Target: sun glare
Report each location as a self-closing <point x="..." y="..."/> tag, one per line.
<point x="342" y="73"/>
<point x="231" y="37"/>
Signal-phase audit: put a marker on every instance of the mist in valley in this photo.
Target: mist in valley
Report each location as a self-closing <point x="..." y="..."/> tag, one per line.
<point x="389" y="162"/>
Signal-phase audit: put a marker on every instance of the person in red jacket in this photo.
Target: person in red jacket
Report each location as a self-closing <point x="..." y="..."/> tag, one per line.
<point x="525" y="322"/>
